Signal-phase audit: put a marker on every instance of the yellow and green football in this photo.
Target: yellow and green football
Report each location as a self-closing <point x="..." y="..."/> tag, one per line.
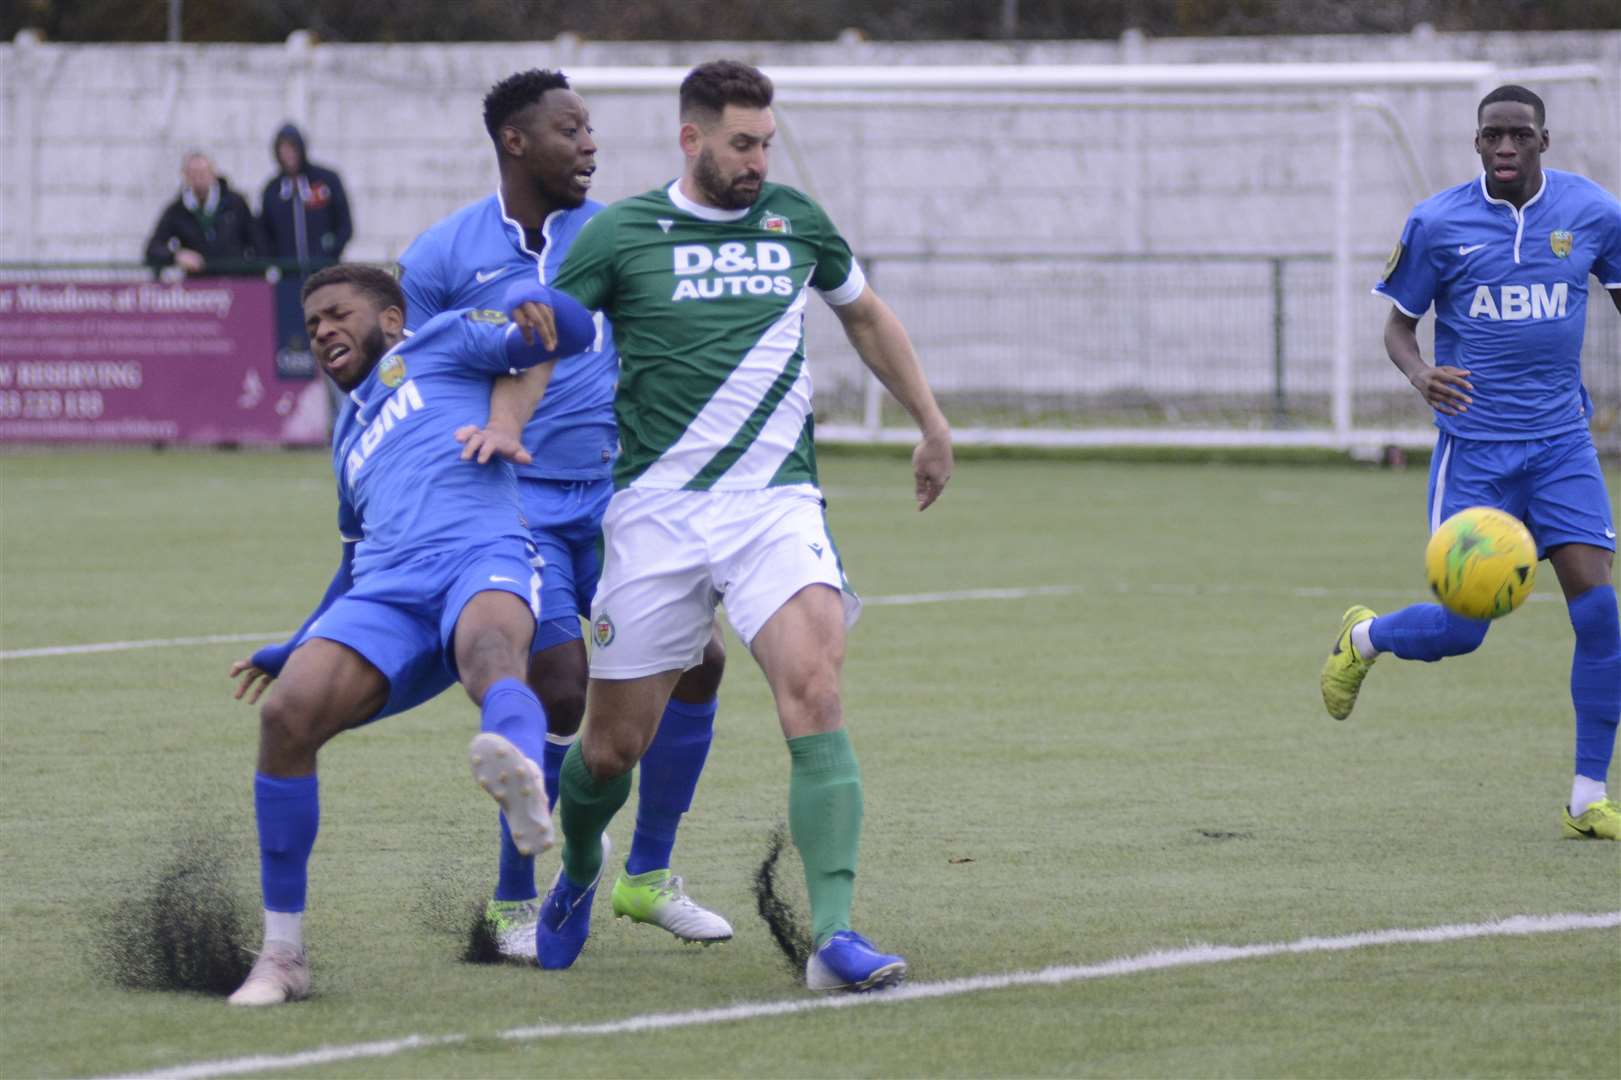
<point x="1481" y="563"/>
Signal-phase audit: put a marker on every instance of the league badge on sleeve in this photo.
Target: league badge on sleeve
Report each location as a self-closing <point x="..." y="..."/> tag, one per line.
<point x="1561" y="240"/>
<point x="1390" y="263"/>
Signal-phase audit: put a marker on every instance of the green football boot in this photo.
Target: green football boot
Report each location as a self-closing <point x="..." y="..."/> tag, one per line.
<point x="658" y="899"/>
<point x="1345" y="669"/>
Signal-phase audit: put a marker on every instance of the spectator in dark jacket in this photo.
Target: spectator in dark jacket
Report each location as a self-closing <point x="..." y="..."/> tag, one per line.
<point x="207" y="223"/>
<point x="304" y="214"/>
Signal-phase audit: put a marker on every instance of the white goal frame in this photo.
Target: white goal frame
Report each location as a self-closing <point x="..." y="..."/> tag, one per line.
<point x="1142" y="86"/>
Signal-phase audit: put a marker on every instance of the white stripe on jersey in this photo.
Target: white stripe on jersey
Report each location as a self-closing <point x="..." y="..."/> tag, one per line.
<point x="733" y="402"/>
<point x="1398" y="303"/>
<point x="777" y="440"/>
<point x="1440" y="486"/>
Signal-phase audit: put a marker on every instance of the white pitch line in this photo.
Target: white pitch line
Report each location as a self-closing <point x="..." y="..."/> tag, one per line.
<point x="1158" y="960"/>
<point x="1018" y="593"/>
<point x="126" y="646"/>
<point x="1023" y="592"/>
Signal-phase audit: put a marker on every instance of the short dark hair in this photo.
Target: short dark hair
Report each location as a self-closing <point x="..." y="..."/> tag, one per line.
<point x="376" y="283"/>
<point x="515" y="93"/>
<point x="709" y="88"/>
<point x="1514" y="93"/>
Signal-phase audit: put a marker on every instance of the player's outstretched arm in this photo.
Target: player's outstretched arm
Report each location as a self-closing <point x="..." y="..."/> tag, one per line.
<point x="261" y="669"/>
<point x="550" y="324"/>
<point x="513" y="399"/>
<point x="881" y="342"/>
<point x="1445" y="388"/>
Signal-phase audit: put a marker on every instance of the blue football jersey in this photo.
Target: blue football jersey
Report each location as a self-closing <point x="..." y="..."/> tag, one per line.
<point x="403" y="489"/>
<point x="470" y="259"/>
<point x="1510" y="293"/>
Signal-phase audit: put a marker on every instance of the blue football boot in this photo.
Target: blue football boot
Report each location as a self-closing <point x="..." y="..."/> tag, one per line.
<point x="848" y="961"/>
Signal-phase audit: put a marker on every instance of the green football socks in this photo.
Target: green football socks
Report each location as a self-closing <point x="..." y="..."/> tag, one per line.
<point x="586" y="805"/>
<point x="824" y="817"/>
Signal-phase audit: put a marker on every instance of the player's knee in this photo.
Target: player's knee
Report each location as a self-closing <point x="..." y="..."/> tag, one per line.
<point x="289" y="725"/>
<point x="488" y="654"/>
<point x="564" y="709"/>
<point x="812" y="702"/>
<point x="611" y="755"/>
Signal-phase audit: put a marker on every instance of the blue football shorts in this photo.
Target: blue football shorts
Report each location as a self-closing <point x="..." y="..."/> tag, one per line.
<point x="403" y="619"/>
<point x="565" y="523"/>
<point x="1554" y="485"/>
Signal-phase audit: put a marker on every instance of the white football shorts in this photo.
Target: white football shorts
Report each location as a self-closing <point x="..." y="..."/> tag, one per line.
<point x="670" y="556"/>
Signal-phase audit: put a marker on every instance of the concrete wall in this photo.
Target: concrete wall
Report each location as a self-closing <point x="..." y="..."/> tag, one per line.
<point x="91" y="138"/>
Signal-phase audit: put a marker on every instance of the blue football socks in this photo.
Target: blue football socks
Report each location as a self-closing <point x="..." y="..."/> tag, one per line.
<point x="512" y="711"/>
<point x="288" y="810"/>
<point x="1595" y="679"/>
<point x="669" y="776"/>
<point x="551" y="765"/>
<point x="1426" y="632"/>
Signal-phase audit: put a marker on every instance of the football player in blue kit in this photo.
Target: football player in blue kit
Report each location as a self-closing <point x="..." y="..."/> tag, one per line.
<point x="564" y="458"/>
<point x="438" y="581"/>
<point x="1505" y="260"/>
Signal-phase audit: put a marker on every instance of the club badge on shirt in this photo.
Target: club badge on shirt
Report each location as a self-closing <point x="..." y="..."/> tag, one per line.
<point x="391" y="372"/>
<point x="1561" y="240"/>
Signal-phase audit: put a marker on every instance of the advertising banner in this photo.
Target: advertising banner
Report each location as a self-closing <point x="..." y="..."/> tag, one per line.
<point x="190" y="361"/>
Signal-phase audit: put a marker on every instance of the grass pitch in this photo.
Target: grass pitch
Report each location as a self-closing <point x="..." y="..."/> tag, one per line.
<point x="1125" y="752"/>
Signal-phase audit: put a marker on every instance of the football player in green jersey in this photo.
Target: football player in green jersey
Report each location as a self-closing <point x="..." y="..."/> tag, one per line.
<point x="716" y="500"/>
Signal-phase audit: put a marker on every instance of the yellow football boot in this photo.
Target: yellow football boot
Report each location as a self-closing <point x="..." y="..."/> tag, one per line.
<point x="1601" y="821"/>
<point x="1345" y="669"/>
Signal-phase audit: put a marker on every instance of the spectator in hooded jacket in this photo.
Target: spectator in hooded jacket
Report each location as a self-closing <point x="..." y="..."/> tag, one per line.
<point x="207" y="228"/>
<point x="304" y="213"/>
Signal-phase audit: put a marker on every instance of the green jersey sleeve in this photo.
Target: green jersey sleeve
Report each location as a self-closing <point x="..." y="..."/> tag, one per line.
<point x="838" y="276"/>
<point x="588" y="271"/>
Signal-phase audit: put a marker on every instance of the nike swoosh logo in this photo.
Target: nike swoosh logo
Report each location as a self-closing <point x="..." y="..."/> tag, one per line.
<point x="1589" y="831"/>
<point x="1609" y="533"/>
<point x="508" y="580"/>
<point x="481" y="276"/>
<point x="1472" y="247"/>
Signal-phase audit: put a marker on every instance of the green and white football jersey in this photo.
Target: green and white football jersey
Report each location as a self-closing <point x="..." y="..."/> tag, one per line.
<point x="708" y="312"/>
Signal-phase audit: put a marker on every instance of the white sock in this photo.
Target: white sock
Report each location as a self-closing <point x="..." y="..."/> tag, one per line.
<point x="1584" y="792"/>
<point x="285" y="926"/>
<point x="1361" y="641"/>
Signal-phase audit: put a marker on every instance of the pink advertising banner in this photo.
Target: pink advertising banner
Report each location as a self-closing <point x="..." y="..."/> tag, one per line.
<point x="129" y="361"/>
